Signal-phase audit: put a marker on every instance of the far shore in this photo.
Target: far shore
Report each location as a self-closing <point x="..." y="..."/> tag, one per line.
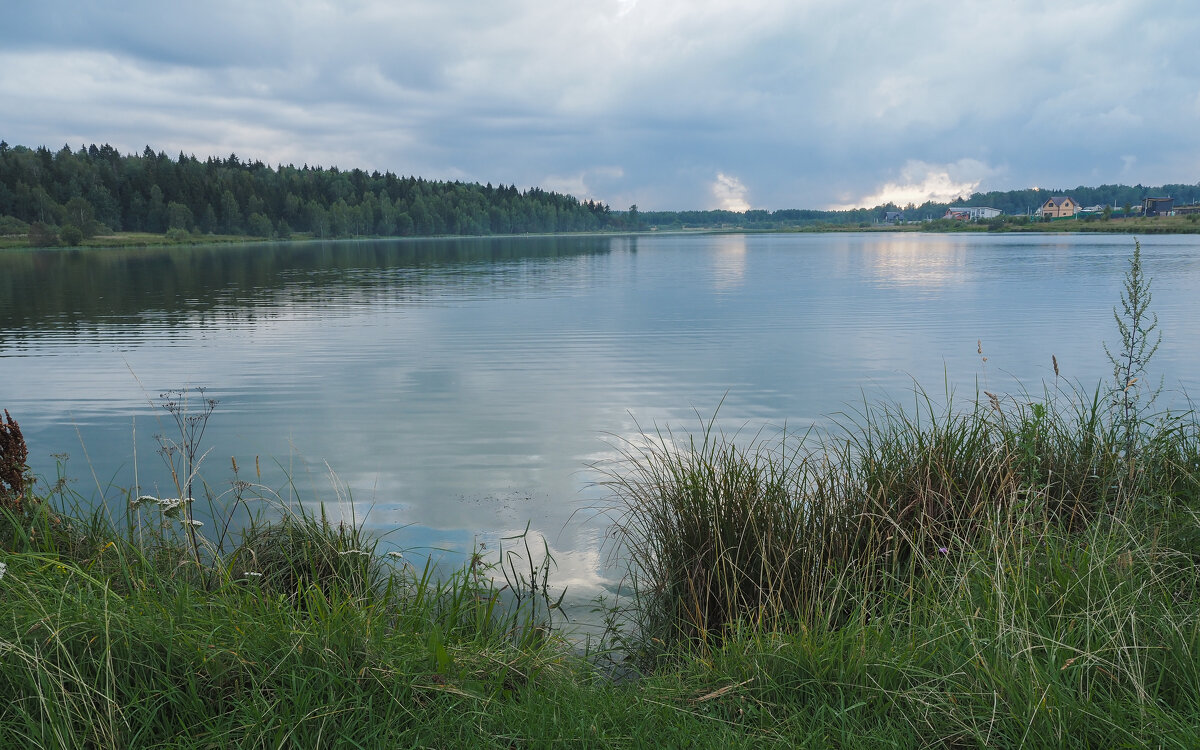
<point x="1132" y="225"/>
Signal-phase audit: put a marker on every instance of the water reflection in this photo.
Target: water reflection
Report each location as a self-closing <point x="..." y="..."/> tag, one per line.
<point x="461" y="389"/>
<point x="917" y="261"/>
<point x="58" y="289"/>
<point x="729" y="262"/>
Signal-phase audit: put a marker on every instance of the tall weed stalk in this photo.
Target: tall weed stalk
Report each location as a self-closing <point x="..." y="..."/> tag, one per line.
<point x="1140" y="339"/>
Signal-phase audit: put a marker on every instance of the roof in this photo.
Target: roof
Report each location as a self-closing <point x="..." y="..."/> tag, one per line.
<point x="1058" y="200"/>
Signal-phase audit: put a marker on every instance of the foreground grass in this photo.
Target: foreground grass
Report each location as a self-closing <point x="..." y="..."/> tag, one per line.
<point x="1000" y="576"/>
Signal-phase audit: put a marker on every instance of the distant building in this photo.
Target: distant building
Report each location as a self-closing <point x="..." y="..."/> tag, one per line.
<point x="1158" y="206"/>
<point x="971" y="213"/>
<point x="1187" y="210"/>
<point x="893" y="217"/>
<point x="1058" y="207"/>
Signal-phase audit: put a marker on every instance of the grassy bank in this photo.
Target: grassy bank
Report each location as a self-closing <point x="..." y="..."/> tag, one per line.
<point x="146" y="239"/>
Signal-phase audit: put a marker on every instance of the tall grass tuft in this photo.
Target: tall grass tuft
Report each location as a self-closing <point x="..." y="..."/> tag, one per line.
<point x="787" y="531"/>
<point x="300" y="550"/>
<point x="715" y="531"/>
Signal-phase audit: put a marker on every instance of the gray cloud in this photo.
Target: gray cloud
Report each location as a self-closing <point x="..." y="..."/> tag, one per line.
<point x="807" y="103"/>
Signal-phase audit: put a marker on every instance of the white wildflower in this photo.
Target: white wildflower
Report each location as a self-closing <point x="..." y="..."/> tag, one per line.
<point x="397" y="555"/>
<point x="252" y="574"/>
<point x="354" y="552"/>
<point x="165" y="504"/>
<point x="142" y="500"/>
<point x="168" y="504"/>
<point x="3" y="570"/>
<point x="194" y="523"/>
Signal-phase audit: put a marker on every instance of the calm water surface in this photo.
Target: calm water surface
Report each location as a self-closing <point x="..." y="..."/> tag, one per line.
<point x="460" y="389"/>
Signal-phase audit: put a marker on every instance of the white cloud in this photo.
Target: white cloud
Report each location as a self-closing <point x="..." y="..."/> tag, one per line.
<point x="729" y="193"/>
<point x="587" y="184"/>
<point x="625" y="7"/>
<point x="920" y="182"/>
<point x="569" y="185"/>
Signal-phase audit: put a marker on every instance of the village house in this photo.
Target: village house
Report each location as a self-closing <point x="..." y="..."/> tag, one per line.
<point x="971" y="213"/>
<point x="1158" y="206"/>
<point x="1058" y="207"/>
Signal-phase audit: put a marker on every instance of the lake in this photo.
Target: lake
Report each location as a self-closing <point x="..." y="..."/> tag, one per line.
<point x="460" y="389"/>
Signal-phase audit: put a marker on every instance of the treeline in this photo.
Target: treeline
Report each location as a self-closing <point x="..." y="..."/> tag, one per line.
<point x="759" y="219"/>
<point x="96" y="189"/>
<point x="66" y="196"/>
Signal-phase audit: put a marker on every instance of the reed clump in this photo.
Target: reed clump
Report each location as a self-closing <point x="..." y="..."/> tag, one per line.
<point x="786" y="532"/>
<point x="715" y="532"/>
<point x="299" y="551"/>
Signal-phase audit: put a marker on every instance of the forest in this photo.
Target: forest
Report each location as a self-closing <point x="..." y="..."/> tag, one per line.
<point x="96" y="190"/>
<point x="66" y="197"/>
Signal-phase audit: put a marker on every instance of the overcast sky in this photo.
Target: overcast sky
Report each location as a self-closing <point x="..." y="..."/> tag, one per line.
<point x="664" y="103"/>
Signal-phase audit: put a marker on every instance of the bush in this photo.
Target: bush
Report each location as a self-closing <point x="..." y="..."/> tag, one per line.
<point x="71" y="235"/>
<point x="10" y="225"/>
<point x="41" y="235"/>
<point x="259" y="225"/>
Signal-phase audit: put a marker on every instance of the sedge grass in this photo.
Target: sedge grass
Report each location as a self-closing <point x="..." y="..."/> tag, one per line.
<point x="811" y="528"/>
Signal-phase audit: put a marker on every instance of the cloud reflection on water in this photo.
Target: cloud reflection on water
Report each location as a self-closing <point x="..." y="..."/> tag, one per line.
<point x="462" y="389"/>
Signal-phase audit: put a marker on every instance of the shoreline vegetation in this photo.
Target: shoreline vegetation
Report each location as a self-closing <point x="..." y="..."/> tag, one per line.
<point x="96" y="197"/>
<point x="1018" y="571"/>
<point x="1132" y="226"/>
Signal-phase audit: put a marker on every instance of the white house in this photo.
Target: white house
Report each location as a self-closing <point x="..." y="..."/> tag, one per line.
<point x="971" y="213"/>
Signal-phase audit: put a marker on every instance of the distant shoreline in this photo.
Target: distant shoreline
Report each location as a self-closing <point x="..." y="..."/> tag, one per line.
<point x="1139" y="226"/>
